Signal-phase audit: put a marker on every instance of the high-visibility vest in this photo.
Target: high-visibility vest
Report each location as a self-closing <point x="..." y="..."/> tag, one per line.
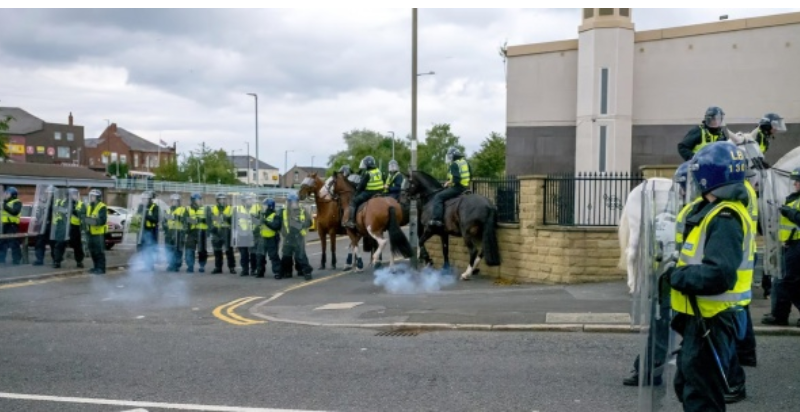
<point x="147" y="223"/>
<point x="75" y="220"/>
<point x="199" y="216"/>
<point x="706" y="137"/>
<point x="680" y="221"/>
<point x="174" y="218"/>
<point x="692" y="253"/>
<point x="216" y="221"/>
<point x="266" y="232"/>
<point x="59" y="216"/>
<point x="788" y="230"/>
<point x="8" y="217"/>
<point x="286" y="220"/>
<point x="244" y="216"/>
<point x="463" y="169"/>
<point x="95" y="213"/>
<point x="389" y="181"/>
<point x="762" y="139"/>
<point x="752" y="205"/>
<point x="375" y="182"/>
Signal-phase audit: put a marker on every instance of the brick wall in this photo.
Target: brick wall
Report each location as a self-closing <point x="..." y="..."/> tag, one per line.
<point x="665" y="171"/>
<point x="532" y="252"/>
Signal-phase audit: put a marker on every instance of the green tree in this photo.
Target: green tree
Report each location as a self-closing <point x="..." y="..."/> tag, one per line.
<point x="490" y="160"/>
<point x="170" y="171"/>
<point x="362" y="143"/>
<point x="218" y="168"/>
<point x="4" y="137"/>
<point x="112" y="169"/>
<point x="431" y="154"/>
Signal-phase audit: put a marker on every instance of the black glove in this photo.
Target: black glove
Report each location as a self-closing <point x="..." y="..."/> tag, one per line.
<point x="786" y="211"/>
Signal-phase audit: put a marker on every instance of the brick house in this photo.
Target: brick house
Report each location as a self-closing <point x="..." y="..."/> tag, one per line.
<point x="33" y="140"/>
<point x="126" y="147"/>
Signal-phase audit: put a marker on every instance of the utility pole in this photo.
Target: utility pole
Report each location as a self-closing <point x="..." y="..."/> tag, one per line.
<point x="392" y="143"/>
<point x="412" y="225"/>
<point x="249" y="164"/>
<point x="258" y="174"/>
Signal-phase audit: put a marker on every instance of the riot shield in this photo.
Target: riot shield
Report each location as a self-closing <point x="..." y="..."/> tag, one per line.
<point x="242" y="222"/>
<point x="134" y="224"/>
<point x="656" y="253"/>
<point x="2" y="204"/>
<point x="40" y="212"/>
<point x="773" y="188"/>
<point x="219" y="225"/>
<point x="85" y="227"/>
<point x="62" y="211"/>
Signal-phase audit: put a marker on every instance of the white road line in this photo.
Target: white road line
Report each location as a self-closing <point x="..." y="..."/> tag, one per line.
<point x="179" y="406"/>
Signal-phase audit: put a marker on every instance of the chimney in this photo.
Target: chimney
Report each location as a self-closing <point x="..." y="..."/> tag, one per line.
<point x="114" y="127"/>
<point x="70" y="118"/>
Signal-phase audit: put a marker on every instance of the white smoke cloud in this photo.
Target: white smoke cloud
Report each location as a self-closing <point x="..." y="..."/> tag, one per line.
<point x="402" y="279"/>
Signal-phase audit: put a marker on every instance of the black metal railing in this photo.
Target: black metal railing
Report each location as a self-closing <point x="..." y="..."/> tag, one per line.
<point x="503" y="193"/>
<point x="587" y="198"/>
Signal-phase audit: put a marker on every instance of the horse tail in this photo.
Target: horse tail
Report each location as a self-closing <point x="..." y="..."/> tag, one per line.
<point x="397" y="238"/>
<point x="491" y="249"/>
<point x="624" y="239"/>
<point x="369" y="244"/>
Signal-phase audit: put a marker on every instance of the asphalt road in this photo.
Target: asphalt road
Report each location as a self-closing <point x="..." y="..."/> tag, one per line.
<point x="134" y="342"/>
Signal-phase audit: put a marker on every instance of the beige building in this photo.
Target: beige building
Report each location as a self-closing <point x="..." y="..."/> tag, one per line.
<point x="615" y="99"/>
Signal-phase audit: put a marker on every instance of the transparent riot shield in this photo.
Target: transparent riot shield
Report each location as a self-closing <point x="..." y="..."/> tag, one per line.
<point x="773" y="189"/>
<point x="40" y="212"/>
<point x="85" y="227"/>
<point x="62" y="212"/>
<point x="2" y="204"/>
<point x="242" y="222"/>
<point x="134" y="224"/>
<point x="655" y="255"/>
<point x="219" y="224"/>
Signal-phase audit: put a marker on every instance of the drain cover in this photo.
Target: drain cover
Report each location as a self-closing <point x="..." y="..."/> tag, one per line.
<point x="398" y="333"/>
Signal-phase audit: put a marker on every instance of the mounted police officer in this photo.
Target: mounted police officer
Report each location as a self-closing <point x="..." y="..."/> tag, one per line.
<point x="458" y="178"/>
<point x="270" y="239"/>
<point x="197" y="238"/>
<point x="711" y="283"/>
<point x="371" y="184"/>
<point x="394" y="181"/>
<point x="769" y="125"/>
<point x="786" y="291"/>
<point x="295" y="227"/>
<point x="709" y="131"/>
<point x="175" y="232"/>
<point x="43" y="239"/>
<point x="221" y="215"/>
<point x="97" y="221"/>
<point x="12" y="208"/>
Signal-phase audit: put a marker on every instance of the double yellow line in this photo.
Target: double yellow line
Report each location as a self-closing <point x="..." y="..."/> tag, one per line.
<point x="231" y="317"/>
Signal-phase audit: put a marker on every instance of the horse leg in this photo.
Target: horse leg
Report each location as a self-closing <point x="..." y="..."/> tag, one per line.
<point x="322" y="240"/>
<point x="445" y="250"/>
<point x="348" y="265"/>
<point x="332" y="232"/>
<point x="376" y="262"/>
<point x="423" y="253"/>
<point x="359" y="262"/>
<point x="474" y="259"/>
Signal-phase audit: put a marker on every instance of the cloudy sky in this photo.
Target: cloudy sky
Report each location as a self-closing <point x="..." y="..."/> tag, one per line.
<point x="184" y="74"/>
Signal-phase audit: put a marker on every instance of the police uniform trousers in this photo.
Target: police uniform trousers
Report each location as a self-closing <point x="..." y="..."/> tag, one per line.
<point x="74" y="242"/>
<point x="97" y="249"/>
<point x="294" y="248"/>
<point x="42" y="241"/>
<point x="254" y="264"/>
<point x="221" y="242"/>
<point x="699" y="385"/>
<point x="196" y="240"/>
<point x="443" y="196"/>
<point x="13" y="244"/>
<point x="361" y="198"/>
<point x="176" y="242"/>
<point x="268" y="247"/>
<point x="244" y="256"/>
<point x="786" y="292"/>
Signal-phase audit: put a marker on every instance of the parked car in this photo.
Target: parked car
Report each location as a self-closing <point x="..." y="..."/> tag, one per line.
<point x="118" y="215"/>
<point x="113" y="235"/>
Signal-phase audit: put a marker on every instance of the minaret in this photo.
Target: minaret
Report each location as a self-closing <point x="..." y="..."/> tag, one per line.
<point x="605" y="91"/>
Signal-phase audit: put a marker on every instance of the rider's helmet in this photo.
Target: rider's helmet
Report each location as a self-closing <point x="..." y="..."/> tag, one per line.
<point x="393" y="166"/>
<point x="367" y="163"/>
<point x="345" y="170"/>
<point x="772" y="123"/>
<point x="452" y="154"/>
<point x="795" y="174"/>
<point x="714" y="117"/>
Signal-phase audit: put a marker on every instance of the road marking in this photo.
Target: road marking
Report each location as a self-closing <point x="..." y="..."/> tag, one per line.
<point x="231" y="317"/>
<point x="179" y="406"/>
<point x="343" y="305"/>
<point x="603" y="318"/>
<point x="39" y="282"/>
<point x="136" y="410"/>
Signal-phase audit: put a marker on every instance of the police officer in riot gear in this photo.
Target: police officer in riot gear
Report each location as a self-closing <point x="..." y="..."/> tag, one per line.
<point x="709" y="131"/>
<point x="75" y="233"/>
<point x="711" y="283"/>
<point x="295" y="227"/>
<point x="221" y="215"/>
<point x="394" y="182"/>
<point x="769" y="125"/>
<point x="270" y="239"/>
<point x="97" y="221"/>
<point x="12" y="208"/>
<point x="43" y="239"/>
<point x="371" y="184"/>
<point x="152" y="214"/>
<point x="458" y="180"/>
<point x="175" y="232"/>
<point x="197" y="236"/>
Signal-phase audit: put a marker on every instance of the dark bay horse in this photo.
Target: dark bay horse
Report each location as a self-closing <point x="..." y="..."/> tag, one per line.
<point x="469" y="216"/>
<point x="376" y="216"/>
<point x="329" y="223"/>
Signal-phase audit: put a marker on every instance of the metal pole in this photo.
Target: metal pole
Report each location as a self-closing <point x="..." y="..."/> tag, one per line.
<point x="312" y="161"/>
<point x="258" y="173"/>
<point x="412" y="225"/>
<point x="248" y="162"/>
<point x="392" y="143"/>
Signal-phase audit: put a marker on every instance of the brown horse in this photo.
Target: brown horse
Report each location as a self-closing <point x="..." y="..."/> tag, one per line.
<point x="374" y="217"/>
<point x="329" y="222"/>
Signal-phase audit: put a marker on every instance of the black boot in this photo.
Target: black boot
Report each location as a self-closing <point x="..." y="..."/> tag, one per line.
<point x="217" y="262"/>
<point x="245" y="272"/>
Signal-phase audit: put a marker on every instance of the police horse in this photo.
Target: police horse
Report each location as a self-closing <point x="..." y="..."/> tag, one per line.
<point x="469" y="216"/>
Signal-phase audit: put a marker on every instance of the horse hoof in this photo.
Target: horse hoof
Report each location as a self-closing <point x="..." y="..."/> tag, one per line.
<point x="378" y="265"/>
<point x="465" y="277"/>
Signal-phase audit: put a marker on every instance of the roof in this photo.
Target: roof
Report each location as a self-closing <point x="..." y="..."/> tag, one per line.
<point x="23" y="122"/>
<point x="91" y="142"/>
<point x="137" y="143"/>
<point x="320" y="171"/>
<point x="33" y="173"/>
<point x="240" y="162"/>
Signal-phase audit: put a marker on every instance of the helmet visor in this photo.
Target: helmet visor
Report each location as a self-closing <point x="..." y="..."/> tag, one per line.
<point x="778" y="126"/>
<point x="714" y="121"/>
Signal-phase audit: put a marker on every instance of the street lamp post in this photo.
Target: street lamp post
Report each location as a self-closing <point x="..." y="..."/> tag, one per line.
<point x="312" y="161"/>
<point x="249" y="163"/>
<point x="392" y="143"/>
<point x="286" y="164"/>
<point x="258" y="175"/>
<point x="412" y="224"/>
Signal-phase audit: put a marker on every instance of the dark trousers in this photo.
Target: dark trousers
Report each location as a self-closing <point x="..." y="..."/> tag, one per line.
<point x="358" y="200"/>
<point x="698" y="383"/>
<point x="269" y="248"/>
<point x="175" y="240"/>
<point x="244" y="256"/>
<point x="74" y="242"/>
<point x="42" y="241"/>
<point x="221" y="242"/>
<point x="441" y="197"/>
<point x="13" y="244"/>
<point x="97" y="248"/>
<point x="196" y="240"/>
<point x="657" y="338"/>
<point x="294" y="248"/>
<point x="786" y="292"/>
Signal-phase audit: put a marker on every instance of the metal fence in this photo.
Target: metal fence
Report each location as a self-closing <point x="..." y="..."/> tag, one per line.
<point x="171" y="187"/>
<point x="503" y="193"/>
<point x="588" y="198"/>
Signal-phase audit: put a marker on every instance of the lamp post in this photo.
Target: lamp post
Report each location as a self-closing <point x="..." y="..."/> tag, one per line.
<point x="392" y="143"/>
<point x="258" y="175"/>
<point x="249" y="162"/>
<point x="412" y="224"/>
<point x="312" y="161"/>
<point x="286" y="164"/>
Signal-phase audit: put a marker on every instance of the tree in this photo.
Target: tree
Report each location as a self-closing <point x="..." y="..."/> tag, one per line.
<point x="218" y="168"/>
<point x="362" y="143"/>
<point x="432" y="153"/>
<point x="4" y="137"/>
<point x="201" y="166"/>
<point x="112" y="169"/>
<point x="490" y="160"/>
<point x="170" y="171"/>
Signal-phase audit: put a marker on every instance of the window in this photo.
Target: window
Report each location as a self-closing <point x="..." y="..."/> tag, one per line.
<point x="624" y="12"/>
<point x="63" y="152"/>
<point x="241" y="173"/>
<point x="57" y="135"/>
<point x="588" y="13"/>
<point x="70" y="137"/>
<point x="123" y="159"/>
<point x="91" y="161"/>
<point x="604" y="91"/>
<point x="114" y="157"/>
<point x="606" y="12"/>
<point x="104" y="159"/>
<point x="136" y="160"/>
<point x="603" y="131"/>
